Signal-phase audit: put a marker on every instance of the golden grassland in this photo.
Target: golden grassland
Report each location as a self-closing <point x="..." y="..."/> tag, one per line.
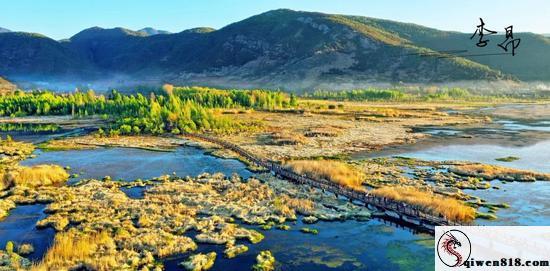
<point x="14" y="149"/>
<point x="451" y="208"/>
<point x="91" y="141"/>
<point x="285" y="138"/>
<point x="335" y="171"/>
<point x="330" y="129"/>
<point x="68" y="248"/>
<point x="286" y="205"/>
<point x="99" y="228"/>
<point x="35" y="176"/>
<point x="5" y="182"/>
<point x="491" y="172"/>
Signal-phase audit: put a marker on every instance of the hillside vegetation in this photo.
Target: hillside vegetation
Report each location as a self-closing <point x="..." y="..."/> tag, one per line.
<point x="276" y="49"/>
<point x="5" y="86"/>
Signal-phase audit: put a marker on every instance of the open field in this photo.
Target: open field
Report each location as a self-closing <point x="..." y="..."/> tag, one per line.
<point x="319" y="131"/>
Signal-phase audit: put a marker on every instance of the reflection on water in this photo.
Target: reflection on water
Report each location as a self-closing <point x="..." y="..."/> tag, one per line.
<point x="442" y="132"/>
<point x="349" y="245"/>
<point x="530" y="141"/>
<point x="119" y="163"/>
<point x="32" y="136"/>
<point x="131" y="164"/>
<point x="541" y="126"/>
<point x="528" y="203"/>
<point x="19" y="227"/>
<point x="534" y="157"/>
<point x="136" y="192"/>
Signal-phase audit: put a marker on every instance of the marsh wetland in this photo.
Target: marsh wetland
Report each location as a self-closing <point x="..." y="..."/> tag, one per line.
<point x="153" y="202"/>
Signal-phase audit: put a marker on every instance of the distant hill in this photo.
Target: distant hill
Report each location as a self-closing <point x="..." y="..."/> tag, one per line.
<point x="5" y="86"/>
<point x="277" y="49"/>
<point x="4" y="30"/>
<point x="532" y="61"/>
<point x="149" y="31"/>
<point x="37" y="56"/>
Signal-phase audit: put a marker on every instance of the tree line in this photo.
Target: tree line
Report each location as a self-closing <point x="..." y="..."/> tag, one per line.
<point x="369" y="94"/>
<point x="174" y="109"/>
<point x="232" y="98"/>
<point x="373" y="94"/>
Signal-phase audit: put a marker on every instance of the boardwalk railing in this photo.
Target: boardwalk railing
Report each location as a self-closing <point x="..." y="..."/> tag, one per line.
<point x="401" y="209"/>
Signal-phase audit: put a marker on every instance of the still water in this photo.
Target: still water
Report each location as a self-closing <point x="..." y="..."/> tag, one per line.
<point x="349" y="245"/>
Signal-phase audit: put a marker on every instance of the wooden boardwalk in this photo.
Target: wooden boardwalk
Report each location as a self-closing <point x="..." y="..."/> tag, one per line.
<point x="421" y="217"/>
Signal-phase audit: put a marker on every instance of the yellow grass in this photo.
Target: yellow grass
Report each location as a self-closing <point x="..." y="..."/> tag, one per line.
<point x="335" y="171"/>
<point x="36" y="175"/>
<point x="73" y="249"/>
<point x="497" y="172"/>
<point x="286" y="138"/>
<point x="324" y="131"/>
<point x="288" y="206"/>
<point x="5" y="182"/>
<point x="451" y="208"/>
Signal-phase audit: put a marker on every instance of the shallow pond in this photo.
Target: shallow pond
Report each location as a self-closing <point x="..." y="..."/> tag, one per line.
<point x="130" y="164"/>
<point x="349" y="245"/>
<point x="529" y="141"/>
<point x="19" y="227"/>
<point x="532" y="157"/>
<point x="528" y="201"/>
<point x="33" y="137"/>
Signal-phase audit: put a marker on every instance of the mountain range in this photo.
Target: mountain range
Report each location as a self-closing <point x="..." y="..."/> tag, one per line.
<point x="277" y="49"/>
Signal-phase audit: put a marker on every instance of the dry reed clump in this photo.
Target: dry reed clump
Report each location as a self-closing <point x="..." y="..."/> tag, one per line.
<point x="5" y="182"/>
<point x="199" y="262"/>
<point x="71" y="249"/>
<point x="25" y="249"/>
<point x="288" y="206"/>
<point x="264" y="261"/>
<point x="101" y="228"/>
<point x="324" y="131"/>
<point x="40" y="175"/>
<point x="286" y="138"/>
<point x="451" y="208"/>
<point x="491" y="172"/>
<point x="15" y="148"/>
<point x="335" y="171"/>
<point x="5" y="206"/>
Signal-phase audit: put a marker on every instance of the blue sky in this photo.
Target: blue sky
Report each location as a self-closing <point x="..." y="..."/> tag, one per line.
<point x="64" y="18"/>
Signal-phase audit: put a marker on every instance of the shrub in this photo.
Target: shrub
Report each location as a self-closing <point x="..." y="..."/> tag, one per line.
<point x="287" y="206"/>
<point x="9" y="247"/>
<point x="335" y="171"/>
<point x="74" y="248"/>
<point x="451" y="208"/>
<point x="286" y="138"/>
<point x="37" y="175"/>
<point x="25" y="249"/>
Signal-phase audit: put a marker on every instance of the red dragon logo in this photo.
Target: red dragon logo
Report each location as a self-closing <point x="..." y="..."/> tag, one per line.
<point x="453" y="247"/>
